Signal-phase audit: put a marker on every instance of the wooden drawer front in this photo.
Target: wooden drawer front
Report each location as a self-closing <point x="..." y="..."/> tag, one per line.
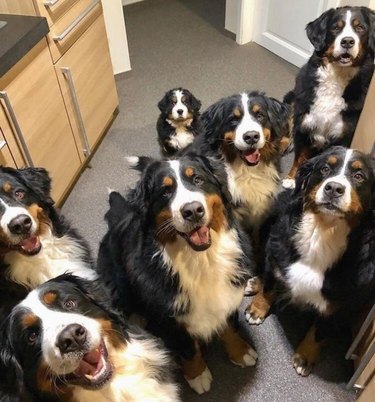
<point x="6" y="158"/>
<point x="53" y="9"/>
<point x="90" y="67"/>
<point x="20" y="7"/>
<point x="35" y="98"/>
<point x="68" y="29"/>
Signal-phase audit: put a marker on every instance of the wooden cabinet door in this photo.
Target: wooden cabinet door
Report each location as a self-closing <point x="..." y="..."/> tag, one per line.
<point x="34" y="95"/>
<point x="6" y="158"/>
<point x="90" y="68"/>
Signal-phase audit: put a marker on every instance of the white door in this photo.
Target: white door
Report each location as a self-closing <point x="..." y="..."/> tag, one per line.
<point x="279" y="25"/>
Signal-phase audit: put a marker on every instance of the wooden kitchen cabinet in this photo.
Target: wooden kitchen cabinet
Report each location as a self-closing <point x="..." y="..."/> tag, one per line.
<point x="6" y="158"/>
<point x="92" y="82"/>
<point x="33" y="93"/>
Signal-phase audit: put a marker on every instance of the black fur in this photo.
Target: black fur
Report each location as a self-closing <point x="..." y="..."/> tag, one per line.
<point x="164" y="126"/>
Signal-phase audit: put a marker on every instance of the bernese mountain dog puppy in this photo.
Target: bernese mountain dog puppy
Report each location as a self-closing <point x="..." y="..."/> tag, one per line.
<point x="175" y="256"/>
<point x="320" y="253"/>
<point x="331" y="88"/>
<point x="36" y="243"/>
<point x="64" y="342"/>
<point x="249" y="131"/>
<point x="179" y="121"/>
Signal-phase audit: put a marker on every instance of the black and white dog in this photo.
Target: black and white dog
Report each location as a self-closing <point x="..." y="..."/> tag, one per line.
<point x="250" y="132"/>
<point x="36" y="243"/>
<point x="64" y="342"/>
<point x="331" y="88"/>
<point x="179" y="120"/>
<point x="174" y="255"/>
<point x="320" y="251"/>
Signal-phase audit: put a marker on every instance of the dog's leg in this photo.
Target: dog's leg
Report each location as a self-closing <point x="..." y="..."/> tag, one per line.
<point x="307" y="353"/>
<point x="253" y="286"/>
<point x="259" y="307"/>
<point x="301" y="156"/>
<point x="196" y="371"/>
<point x="238" y="350"/>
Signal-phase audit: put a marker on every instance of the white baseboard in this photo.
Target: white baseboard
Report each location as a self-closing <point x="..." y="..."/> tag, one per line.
<point x="127" y="2"/>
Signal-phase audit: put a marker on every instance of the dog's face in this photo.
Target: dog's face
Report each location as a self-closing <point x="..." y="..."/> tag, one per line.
<point x="340" y="182"/>
<point x="343" y="35"/>
<point x="250" y="125"/>
<point x="59" y="336"/>
<point x="183" y="197"/>
<point x="24" y="194"/>
<point x="179" y="104"/>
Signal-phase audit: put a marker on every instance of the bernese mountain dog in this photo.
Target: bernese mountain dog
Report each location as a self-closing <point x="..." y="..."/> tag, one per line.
<point x="250" y="132"/>
<point x="175" y="256"/>
<point x="320" y="253"/>
<point x="179" y="121"/>
<point x="36" y="243"/>
<point x="64" y="342"/>
<point x="331" y="88"/>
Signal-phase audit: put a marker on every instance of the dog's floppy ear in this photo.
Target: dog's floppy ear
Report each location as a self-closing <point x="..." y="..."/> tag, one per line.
<point x="304" y="174"/>
<point x="194" y="102"/>
<point x="163" y="103"/>
<point x="279" y="114"/>
<point x="38" y="180"/>
<point x="317" y="30"/>
<point x="371" y="22"/>
<point x="212" y="118"/>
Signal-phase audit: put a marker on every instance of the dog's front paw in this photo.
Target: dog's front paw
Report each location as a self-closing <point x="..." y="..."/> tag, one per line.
<point x="249" y="358"/>
<point x="201" y="383"/>
<point x="255" y="315"/>
<point x="253" y="286"/>
<point x="289" y="183"/>
<point x="302" y="366"/>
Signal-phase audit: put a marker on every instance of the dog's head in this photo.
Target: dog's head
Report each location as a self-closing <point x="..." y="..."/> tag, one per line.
<point x="251" y="126"/>
<point x="179" y="104"/>
<point x="344" y="35"/>
<point x="339" y="182"/>
<point x="184" y="197"/>
<point x="60" y="336"/>
<point x="25" y="200"/>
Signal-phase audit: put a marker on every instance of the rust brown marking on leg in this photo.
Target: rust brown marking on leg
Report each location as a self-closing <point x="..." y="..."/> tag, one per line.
<point x="260" y="306"/>
<point x="49" y="297"/>
<point x="194" y="367"/>
<point x="7" y="187"/>
<point x="332" y="160"/>
<point x="189" y="172"/>
<point x="235" y="346"/>
<point x="308" y="350"/>
<point x="284" y="144"/>
<point x="167" y="181"/>
<point x="357" y="165"/>
<point x="217" y="212"/>
<point x="29" y="320"/>
<point x="298" y="160"/>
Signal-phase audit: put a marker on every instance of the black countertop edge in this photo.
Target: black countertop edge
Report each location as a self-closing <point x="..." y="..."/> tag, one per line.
<point x="18" y="37"/>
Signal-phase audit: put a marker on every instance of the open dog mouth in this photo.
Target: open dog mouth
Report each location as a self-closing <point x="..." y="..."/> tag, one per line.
<point x="251" y="157"/>
<point x="199" y="238"/>
<point x="330" y="207"/>
<point x="345" y="59"/>
<point x="94" y="369"/>
<point x="29" y="246"/>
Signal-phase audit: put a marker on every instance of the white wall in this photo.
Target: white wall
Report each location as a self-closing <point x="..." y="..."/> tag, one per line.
<point x="116" y="32"/>
<point x="231" y="15"/>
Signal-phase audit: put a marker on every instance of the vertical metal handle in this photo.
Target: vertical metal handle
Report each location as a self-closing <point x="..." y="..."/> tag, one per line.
<point x="50" y="3"/>
<point x="19" y="135"/>
<point x="82" y="129"/>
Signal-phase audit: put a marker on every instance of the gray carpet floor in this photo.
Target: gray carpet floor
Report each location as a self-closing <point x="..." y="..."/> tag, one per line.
<point x="183" y="43"/>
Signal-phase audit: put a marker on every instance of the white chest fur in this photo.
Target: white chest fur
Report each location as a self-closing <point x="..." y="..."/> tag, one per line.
<point x="254" y="188"/>
<point x="135" y="376"/>
<point x="205" y="282"/>
<point x="324" y="118"/>
<point x="57" y="256"/>
<point x="320" y="245"/>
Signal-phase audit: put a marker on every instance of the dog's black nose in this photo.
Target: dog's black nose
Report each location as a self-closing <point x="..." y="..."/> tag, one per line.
<point x="347" y="42"/>
<point x="21" y="224"/>
<point x="251" y="137"/>
<point x="193" y="211"/>
<point x="180" y="111"/>
<point x="334" y="189"/>
<point x="71" y="338"/>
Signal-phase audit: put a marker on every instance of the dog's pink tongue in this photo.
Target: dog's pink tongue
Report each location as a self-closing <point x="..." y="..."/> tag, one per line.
<point x="30" y="244"/>
<point x="200" y="236"/>
<point x="252" y="156"/>
<point x="90" y="364"/>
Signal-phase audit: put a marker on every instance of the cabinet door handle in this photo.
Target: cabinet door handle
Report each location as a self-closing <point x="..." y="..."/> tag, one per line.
<point x="50" y="3"/>
<point x="82" y="129"/>
<point x="19" y="135"/>
<point x="70" y="28"/>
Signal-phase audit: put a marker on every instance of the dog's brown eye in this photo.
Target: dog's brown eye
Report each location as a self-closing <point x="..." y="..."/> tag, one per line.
<point x="69" y="304"/>
<point x="198" y="180"/>
<point x="359" y="177"/>
<point x="324" y="170"/>
<point x="19" y="194"/>
<point x="32" y="336"/>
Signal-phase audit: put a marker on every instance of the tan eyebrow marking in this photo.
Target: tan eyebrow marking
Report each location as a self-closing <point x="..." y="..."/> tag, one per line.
<point x="357" y="165"/>
<point x="355" y="23"/>
<point x="189" y="171"/>
<point x="237" y="112"/>
<point x="167" y="181"/>
<point x="49" y="297"/>
<point x="255" y="108"/>
<point x="332" y="160"/>
<point x="7" y="187"/>
<point x="340" y="23"/>
<point x="29" y="320"/>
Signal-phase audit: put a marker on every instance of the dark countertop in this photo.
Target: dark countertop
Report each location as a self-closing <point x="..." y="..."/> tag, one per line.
<point x="19" y="36"/>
